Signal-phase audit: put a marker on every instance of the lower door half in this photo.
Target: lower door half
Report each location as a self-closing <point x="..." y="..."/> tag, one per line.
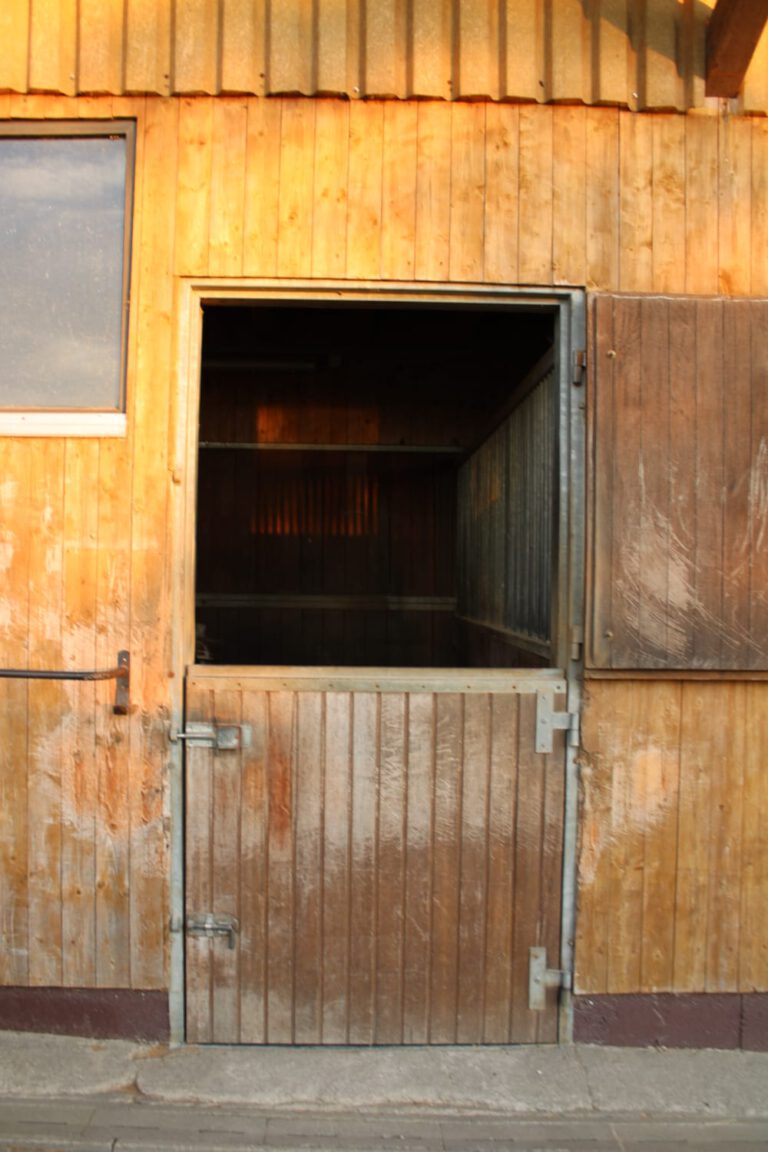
<point x="370" y="858"/>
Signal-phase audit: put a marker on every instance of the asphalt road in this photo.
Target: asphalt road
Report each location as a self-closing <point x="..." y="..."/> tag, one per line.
<point x="127" y="1122"/>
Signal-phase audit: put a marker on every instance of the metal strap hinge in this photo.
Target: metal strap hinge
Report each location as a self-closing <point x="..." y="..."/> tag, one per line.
<point x="207" y="924"/>
<point x="221" y="737"/>
<point x="540" y="978"/>
<point x="549" y="721"/>
<point x="579" y="366"/>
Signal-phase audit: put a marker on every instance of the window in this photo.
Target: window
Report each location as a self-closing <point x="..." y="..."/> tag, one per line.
<point x="65" y="198"/>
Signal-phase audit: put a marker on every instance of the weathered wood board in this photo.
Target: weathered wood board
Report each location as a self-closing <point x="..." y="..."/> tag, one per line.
<point x="114" y="587"/>
<point x="673" y="873"/>
<point x="679" y="455"/>
<point x="390" y="846"/>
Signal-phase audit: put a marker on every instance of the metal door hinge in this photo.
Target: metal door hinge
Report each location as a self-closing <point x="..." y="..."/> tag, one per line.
<point x="548" y="721"/>
<point x="579" y="366"/>
<point x="540" y="978"/>
<point x="221" y="737"/>
<point x="207" y="924"/>
<point x="577" y="641"/>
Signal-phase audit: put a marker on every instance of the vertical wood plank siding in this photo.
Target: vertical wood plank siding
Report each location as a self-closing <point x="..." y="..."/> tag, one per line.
<point x="679" y="480"/>
<point x="674" y="860"/>
<point x="400" y="853"/>
<point x="647" y="54"/>
<point x="84" y="810"/>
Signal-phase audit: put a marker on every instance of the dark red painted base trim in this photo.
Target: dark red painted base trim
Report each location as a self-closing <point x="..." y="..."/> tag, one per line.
<point x="100" y="1013"/>
<point x="667" y="1020"/>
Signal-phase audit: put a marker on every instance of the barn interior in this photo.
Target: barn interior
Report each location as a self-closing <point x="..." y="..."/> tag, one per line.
<point x="376" y="485"/>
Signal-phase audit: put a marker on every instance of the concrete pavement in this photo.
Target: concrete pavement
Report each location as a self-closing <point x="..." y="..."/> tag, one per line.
<point x="63" y="1093"/>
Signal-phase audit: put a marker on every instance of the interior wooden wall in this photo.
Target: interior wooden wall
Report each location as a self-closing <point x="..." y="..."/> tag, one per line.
<point x="474" y="192"/>
<point x="639" y="53"/>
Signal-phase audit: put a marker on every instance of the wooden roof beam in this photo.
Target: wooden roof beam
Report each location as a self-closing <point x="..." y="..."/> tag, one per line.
<point x="732" y="35"/>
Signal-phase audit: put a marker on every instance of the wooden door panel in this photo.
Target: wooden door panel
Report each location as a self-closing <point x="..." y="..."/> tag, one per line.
<point x="679" y="475"/>
<point x="389" y="858"/>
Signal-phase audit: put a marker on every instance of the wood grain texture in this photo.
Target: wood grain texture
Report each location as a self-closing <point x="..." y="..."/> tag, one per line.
<point x="193" y="191"/>
<point x="701" y="207"/>
<point x="294" y="226"/>
<point x="672" y="557"/>
<point x="433" y="187"/>
<point x="199" y="876"/>
<point x="372" y="866"/>
<point x="672" y="864"/>
<point x="569" y="176"/>
<point x="149" y="591"/>
<point x="262" y="187"/>
<point x="535" y="191"/>
<point x="465" y="261"/>
<point x="603" y="189"/>
<point x="364" y="203"/>
<point x="398" y="193"/>
<point x="330" y="197"/>
<point x="227" y="187"/>
<point x="79" y="733"/>
<point x="669" y="202"/>
<point x="535" y="218"/>
<point x="502" y="126"/>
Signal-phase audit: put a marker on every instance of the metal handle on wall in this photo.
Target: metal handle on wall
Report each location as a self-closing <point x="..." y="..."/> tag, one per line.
<point x="121" y="674"/>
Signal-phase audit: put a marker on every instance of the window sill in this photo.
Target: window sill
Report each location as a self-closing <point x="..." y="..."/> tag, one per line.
<point x="104" y="424"/>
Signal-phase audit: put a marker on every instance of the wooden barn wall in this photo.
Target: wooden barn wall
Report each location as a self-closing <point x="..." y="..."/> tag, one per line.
<point x="640" y="53"/>
<point x="478" y="193"/>
<point x="674" y="863"/>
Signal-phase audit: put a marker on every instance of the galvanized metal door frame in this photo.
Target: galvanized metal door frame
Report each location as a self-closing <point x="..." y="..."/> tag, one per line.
<point x="568" y="308"/>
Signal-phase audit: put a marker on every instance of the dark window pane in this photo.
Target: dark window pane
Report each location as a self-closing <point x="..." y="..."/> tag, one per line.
<point x="62" y="221"/>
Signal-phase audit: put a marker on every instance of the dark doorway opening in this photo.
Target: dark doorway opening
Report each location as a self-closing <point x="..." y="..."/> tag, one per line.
<point x="377" y="485"/>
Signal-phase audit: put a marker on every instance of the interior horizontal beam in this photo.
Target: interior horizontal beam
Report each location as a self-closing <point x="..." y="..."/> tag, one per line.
<point x="322" y="602"/>
<point x="399" y="449"/>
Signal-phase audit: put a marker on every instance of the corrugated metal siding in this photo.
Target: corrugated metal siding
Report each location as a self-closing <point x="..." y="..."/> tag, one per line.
<point x="506" y="521"/>
<point x="641" y="53"/>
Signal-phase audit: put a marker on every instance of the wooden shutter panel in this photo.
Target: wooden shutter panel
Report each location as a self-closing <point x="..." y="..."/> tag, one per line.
<point x="679" y="483"/>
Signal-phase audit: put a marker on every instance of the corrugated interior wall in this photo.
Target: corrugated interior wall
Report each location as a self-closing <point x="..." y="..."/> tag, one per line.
<point x="236" y="187"/>
<point x="640" y="53"/>
<point x="505" y="522"/>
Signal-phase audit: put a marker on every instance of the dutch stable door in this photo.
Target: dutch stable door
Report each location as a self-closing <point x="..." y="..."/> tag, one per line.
<point x="375" y="740"/>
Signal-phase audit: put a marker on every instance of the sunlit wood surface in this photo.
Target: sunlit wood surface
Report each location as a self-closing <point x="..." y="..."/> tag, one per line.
<point x="639" y="53"/>
<point x="482" y="193"/>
